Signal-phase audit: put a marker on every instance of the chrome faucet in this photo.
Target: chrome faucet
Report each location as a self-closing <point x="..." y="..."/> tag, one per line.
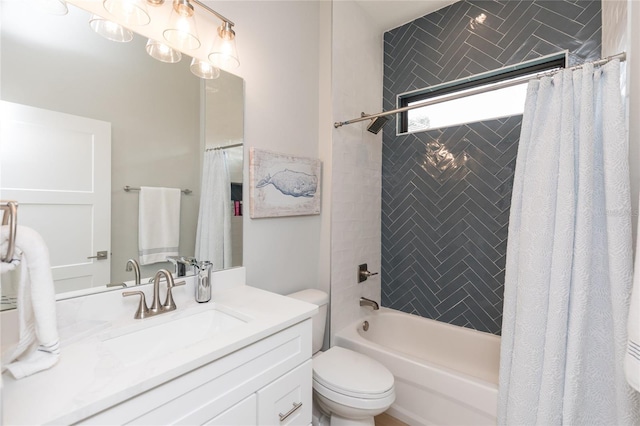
<point x="169" y="304"/>
<point x="133" y="264"/>
<point x="156" y="308"/>
<point x="183" y="265"/>
<point x="368" y="302"/>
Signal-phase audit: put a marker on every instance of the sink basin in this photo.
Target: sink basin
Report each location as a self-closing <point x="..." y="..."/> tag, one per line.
<point x="169" y="336"/>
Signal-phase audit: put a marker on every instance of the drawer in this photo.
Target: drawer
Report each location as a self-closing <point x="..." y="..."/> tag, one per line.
<point x="287" y="401"/>
<point x="242" y="414"/>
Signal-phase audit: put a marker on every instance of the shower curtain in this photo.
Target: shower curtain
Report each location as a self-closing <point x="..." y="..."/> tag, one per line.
<point x="569" y="261"/>
<point x="213" y="235"/>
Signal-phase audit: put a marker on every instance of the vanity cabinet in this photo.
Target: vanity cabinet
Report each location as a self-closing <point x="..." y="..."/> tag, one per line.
<point x="257" y="384"/>
<point x="285" y="400"/>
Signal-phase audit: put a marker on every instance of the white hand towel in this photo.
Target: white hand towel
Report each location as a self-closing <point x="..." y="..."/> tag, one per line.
<point x="38" y="345"/>
<point x="158" y="224"/>
<point x="632" y="356"/>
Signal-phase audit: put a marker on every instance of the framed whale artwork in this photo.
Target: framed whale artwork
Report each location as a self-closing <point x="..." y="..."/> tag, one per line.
<point x="283" y="185"/>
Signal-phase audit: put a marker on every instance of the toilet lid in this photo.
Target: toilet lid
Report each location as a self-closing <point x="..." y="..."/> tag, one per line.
<point x="351" y="373"/>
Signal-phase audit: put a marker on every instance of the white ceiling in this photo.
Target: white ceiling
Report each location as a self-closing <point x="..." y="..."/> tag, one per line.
<point x="389" y="14"/>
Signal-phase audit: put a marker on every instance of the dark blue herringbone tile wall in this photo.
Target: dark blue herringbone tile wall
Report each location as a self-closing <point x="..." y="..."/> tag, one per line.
<point x="446" y="192"/>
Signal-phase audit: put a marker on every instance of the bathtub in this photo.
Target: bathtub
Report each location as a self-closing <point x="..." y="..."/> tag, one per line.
<point x="444" y="374"/>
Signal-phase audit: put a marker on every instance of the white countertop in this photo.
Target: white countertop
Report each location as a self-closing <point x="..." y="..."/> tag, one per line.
<point x="89" y="378"/>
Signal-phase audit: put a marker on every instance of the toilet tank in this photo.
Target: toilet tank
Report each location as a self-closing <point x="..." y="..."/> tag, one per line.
<point x="318" y="321"/>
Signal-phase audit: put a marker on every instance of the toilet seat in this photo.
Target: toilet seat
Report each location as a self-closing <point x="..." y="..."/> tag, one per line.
<point x="343" y="372"/>
<point x="378" y="404"/>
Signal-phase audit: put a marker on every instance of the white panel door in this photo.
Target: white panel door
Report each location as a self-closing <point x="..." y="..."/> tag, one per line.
<point x="58" y="167"/>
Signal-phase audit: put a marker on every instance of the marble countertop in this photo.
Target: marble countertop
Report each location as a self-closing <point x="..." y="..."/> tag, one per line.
<point x="90" y="378"/>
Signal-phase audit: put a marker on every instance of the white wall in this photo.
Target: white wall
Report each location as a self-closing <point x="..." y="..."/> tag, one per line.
<point x="357" y="162"/>
<point x="279" y="43"/>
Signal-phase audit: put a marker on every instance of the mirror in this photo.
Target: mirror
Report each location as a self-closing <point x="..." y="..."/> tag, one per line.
<point x="161" y="117"/>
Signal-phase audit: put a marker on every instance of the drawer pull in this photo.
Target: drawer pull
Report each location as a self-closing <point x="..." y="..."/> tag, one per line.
<point x="283" y="417"/>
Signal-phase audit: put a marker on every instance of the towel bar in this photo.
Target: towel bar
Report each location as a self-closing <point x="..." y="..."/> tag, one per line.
<point x="10" y="217"/>
<point x="128" y="188"/>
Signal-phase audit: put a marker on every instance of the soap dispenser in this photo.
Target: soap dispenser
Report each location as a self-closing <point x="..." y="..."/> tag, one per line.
<point x="203" y="287"/>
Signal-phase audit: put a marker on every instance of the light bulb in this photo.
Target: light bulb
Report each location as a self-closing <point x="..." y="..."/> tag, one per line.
<point x="204" y="69"/>
<point x="110" y="30"/>
<point x="130" y="12"/>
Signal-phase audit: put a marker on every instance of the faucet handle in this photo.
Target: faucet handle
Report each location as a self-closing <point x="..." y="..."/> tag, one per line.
<point x="142" y="311"/>
<point x="169" y="304"/>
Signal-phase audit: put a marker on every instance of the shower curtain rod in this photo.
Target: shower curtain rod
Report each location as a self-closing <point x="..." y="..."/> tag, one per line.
<point x="224" y="147"/>
<point x="500" y="85"/>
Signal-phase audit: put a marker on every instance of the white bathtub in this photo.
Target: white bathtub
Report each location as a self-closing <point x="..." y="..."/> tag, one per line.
<point x="444" y="374"/>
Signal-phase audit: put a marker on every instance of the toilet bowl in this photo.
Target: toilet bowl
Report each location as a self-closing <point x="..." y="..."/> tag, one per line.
<point x="349" y="388"/>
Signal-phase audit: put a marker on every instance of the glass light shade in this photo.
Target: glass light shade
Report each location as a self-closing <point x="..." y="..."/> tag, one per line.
<point x="110" y="30"/>
<point x="224" y="53"/>
<point x="162" y="52"/>
<point x="181" y="31"/>
<point x="204" y="69"/>
<point x="54" y="7"/>
<point x="130" y="12"/>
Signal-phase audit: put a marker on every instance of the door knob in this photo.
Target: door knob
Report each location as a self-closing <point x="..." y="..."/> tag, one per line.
<point x="101" y="255"/>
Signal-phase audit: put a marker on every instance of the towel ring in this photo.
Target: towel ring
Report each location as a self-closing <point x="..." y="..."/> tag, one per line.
<point x="10" y="217"/>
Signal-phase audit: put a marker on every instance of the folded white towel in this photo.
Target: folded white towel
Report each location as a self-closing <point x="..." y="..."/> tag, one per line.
<point x="632" y="356"/>
<point x="158" y="224"/>
<point x="38" y="345"/>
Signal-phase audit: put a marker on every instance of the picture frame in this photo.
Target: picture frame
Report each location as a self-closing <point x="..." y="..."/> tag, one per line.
<point x="283" y="185"/>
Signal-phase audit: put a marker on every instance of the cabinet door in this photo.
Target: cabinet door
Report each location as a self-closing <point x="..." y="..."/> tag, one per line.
<point x="287" y="401"/>
<point x="241" y="414"/>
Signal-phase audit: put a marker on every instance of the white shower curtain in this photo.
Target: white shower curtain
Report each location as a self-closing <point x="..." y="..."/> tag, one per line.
<point x="569" y="261"/>
<point x="213" y="236"/>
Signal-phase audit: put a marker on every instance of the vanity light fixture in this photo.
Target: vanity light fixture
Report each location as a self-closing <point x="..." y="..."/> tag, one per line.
<point x="181" y="31"/>
<point x="225" y="54"/>
<point x="54" y="7"/>
<point x="110" y="30"/>
<point x="204" y="69"/>
<point x="162" y="52"/>
<point x="130" y="12"/>
<point x="180" y="34"/>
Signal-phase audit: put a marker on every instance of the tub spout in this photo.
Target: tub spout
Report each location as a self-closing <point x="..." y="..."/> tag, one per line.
<point x="368" y="302"/>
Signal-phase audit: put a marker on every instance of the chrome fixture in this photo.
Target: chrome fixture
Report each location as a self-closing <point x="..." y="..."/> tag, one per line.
<point x="9" y="219"/>
<point x="365" y="326"/>
<point x="377" y="124"/>
<point x="181" y="30"/>
<point x="133" y="265"/>
<point x="622" y="56"/>
<point x="183" y="265"/>
<point x="180" y="33"/>
<point x="363" y="273"/>
<point x="123" y="285"/>
<point x="368" y="302"/>
<point x="203" y="286"/>
<point x="225" y="54"/>
<point x="285" y="416"/>
<point x="142" y="311"/>
<point x="128" y="188"/>
<point x="156" y="308"/>
<point x="169" y="304"/>
<point x="110" y="30"/>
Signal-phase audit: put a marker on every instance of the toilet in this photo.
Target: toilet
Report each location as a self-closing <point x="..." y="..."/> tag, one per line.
<point x="349" y="388"/>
